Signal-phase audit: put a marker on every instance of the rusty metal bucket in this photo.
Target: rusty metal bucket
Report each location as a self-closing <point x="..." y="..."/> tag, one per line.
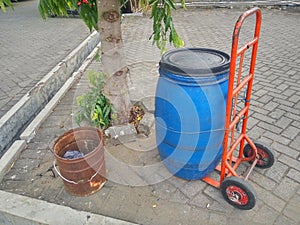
<point x="83" y="176"/>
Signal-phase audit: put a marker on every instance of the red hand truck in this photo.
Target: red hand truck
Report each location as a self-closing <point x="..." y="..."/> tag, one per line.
<point x="235" y="188"/>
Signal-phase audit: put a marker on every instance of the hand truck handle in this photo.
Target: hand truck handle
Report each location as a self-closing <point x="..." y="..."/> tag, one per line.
<point x="236" y="52"/>
<point x="239" y="23"/>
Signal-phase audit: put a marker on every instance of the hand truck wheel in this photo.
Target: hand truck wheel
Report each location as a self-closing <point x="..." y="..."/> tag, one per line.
<point x="238" y="192"/>
<point x="266" y="156"/>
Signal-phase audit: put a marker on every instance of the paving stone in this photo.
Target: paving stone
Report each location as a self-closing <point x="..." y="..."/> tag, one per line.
<point x="177" y="182"/>
<point x="285" y="150"/>
<point x="286" y="189"/>
<point x="121" y="134"/>
<point x="264" y="98"/>
<point x="201" y="200"/>
<point x="295" y="98"/>
<point x="268" y="198"/>
<point x="217" y="219"/>
<point x="12" y="185"/>
<point x="179" y="197"/>
<point x="276" y="114"/>
<point x="277" y="171"/>
<point x="296" y="143"/>
<point x="291" y="132"/>
<point x="289" y="161"/>
<point x="293" y="116"/>
<point x="277" y="137"/>
<point x="33" y="154"/>
<point x="265" y="140"/>
<point x="214" y="193"/>
<point x="221" y="206"/>
<point x="283" y="122"/>
<point x="256" y="132"/>
<point x="263" y="181"/>
<point x="271" y="105"/>
<point x="283" y="220"/>
<point x="191" y="188"/>
<point x="294" y="174"/>
<point x="268" y="126"/>
<point x="266" y="214"/>
<point x="252" y="122"/>
<point x="293" y="208"/>
<point x="263" y="117"/>
<point x="164" y="190"/>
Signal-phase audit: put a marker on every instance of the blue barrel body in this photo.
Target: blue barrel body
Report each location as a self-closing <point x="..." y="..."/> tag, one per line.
<point x="190" y="106"/>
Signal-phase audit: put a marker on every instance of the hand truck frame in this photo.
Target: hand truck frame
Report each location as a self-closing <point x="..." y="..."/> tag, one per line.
<point x="235" y="188"/>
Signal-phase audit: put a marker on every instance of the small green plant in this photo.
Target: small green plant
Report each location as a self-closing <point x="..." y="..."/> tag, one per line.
<point x="94" y="106"/>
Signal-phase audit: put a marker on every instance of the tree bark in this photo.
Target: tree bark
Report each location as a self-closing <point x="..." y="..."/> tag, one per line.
<point x="112" y="58"/>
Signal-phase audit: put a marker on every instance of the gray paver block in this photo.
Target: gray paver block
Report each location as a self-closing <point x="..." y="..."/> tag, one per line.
<point x="277" y="172"/>
<point x="121" y="134"/>
<point x="293" y="208"/>
<point x="293" y="163"/>
<point x="283" y="220"/>
<point x="268" y="214"/>
<point x="287" y="188"/>
<point x="294" y="174"/>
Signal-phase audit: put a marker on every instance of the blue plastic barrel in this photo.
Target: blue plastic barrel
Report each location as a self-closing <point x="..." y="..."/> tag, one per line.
<point x="190" y="106"/>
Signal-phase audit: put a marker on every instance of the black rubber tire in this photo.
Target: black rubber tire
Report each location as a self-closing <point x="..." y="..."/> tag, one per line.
<point x="265" y="153"/>
<point x="238" y="193"/>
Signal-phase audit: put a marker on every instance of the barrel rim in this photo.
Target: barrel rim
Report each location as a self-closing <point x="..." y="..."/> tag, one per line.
<point x="167" y="65"/>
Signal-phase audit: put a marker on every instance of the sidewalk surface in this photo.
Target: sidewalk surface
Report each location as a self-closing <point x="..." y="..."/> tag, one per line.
<point x="161" y="198"/>
<point x="37" y="57"/>
<point x="31" y="47"/>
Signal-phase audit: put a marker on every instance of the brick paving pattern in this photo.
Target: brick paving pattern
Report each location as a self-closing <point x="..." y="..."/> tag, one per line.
<point x="274" y="120"/>
<point x="30" y="47"/>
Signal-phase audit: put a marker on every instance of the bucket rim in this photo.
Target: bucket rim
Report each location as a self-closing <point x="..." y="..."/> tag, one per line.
<point x="73" y="130"/>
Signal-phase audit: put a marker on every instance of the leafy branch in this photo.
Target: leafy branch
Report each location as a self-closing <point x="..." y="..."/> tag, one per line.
<point x="87" y="9"/>
<point x="4" y="3"/>
<point x="163" y="24"/>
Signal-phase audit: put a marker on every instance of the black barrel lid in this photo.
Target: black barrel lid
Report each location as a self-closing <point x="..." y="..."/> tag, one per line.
<point x="195" y="62"/>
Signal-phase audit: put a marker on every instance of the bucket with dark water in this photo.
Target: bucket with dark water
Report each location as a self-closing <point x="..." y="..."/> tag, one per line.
<point x="190" y="106"/>
<point x="86" y="175"/>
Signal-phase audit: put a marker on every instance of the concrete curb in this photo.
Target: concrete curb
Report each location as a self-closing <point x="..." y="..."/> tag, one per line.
<point x="20" y="210"/>
<point x="18" y="116"/>
<point x="30" y="131"/>
<point x="243" y="4"/>
<point x="10" y="156"/>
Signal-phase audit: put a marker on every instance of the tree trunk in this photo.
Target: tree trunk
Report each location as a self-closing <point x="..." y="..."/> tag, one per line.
<point x="112" y="58"/>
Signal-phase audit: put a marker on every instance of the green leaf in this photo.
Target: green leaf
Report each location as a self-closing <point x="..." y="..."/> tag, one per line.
<point x="170" y="3"/>
<point x="107" y="111"/>
<point x="99" y="111"/>
<point x="168" y="23"/>
<point x="79" y="100"/>
<point x="3" y="4"/>
<point x="152" y="2"/>
<point x="182" y="2"/>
